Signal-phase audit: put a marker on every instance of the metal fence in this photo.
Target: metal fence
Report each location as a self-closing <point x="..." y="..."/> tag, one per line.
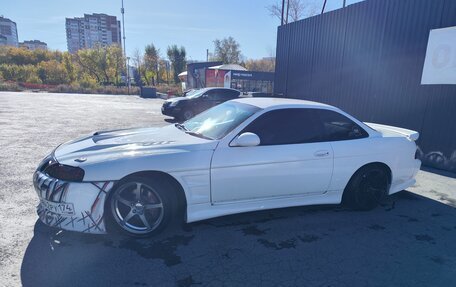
<point x="368" y="59"/>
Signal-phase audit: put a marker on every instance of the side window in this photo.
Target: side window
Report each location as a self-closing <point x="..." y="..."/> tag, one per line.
<point x="223" y="95"/>
<point x="210" y="95"/>
<point x="232" y="94"/>
<point x="338" y="127"/>
<point x="214" y="95"/>
<point x="287" y="126"/>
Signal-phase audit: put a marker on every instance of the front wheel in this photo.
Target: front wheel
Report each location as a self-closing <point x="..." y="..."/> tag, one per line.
<point x="140" y="207"/>
<point x="366" y="188"/>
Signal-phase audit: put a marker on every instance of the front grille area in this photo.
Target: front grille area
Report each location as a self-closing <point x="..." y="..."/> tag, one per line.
<point x="49" y="188"/>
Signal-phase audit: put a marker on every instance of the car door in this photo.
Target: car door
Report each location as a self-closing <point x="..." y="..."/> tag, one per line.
<point x="290" y="161"/>
<point x="351" y="146"/>
<point x="206" y="101"/>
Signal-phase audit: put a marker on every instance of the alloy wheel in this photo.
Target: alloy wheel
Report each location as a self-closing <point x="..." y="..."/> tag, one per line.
<point x="137" y="208"/>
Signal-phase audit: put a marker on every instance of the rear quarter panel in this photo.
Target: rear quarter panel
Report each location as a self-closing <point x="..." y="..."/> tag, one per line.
<point x="398" y="153"/>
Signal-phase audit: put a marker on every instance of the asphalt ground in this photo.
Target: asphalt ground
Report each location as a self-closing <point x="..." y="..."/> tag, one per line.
<point x="410" y="240"/>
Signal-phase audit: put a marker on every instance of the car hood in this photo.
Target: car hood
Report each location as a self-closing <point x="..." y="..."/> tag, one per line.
<point x="178" y="99"/>
<point x="110" y="145"/>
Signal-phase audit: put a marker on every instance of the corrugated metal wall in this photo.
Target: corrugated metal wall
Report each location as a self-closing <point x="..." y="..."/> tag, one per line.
<point x="367" y="59"/>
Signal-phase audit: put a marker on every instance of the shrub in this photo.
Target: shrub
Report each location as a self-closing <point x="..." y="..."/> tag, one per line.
<point x="10" y="86"/>
<point x="18" y="73"/>
<point x="52" y="72"/>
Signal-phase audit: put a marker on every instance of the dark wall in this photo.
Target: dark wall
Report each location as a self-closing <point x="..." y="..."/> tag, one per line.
<point x="367" y="59"/>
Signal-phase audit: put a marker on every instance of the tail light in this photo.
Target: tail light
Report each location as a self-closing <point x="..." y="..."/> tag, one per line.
<point x="417" y="153"/>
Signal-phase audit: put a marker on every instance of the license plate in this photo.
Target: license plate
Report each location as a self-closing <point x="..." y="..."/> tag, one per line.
<point x="61" y="208"/>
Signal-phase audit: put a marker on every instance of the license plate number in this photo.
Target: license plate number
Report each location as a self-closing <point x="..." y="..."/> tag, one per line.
<point x="59" y="208"/>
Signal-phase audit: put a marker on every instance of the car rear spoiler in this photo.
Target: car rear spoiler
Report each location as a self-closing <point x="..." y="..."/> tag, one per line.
<point x="412" y="135"/>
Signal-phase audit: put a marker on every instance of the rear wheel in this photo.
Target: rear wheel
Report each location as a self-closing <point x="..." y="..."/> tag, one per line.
<point x="366" y="188"/>
<point x="140" y="207"/>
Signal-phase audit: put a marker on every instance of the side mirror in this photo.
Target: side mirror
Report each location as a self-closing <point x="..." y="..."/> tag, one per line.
<point x="205" y="96"/>
<point x="246" y="140"/>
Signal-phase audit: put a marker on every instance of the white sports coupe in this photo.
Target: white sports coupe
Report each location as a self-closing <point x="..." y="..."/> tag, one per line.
<point x="243" y="155"/>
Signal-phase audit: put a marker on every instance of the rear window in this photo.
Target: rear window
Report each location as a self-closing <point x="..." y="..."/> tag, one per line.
<point x="338" y="127"/>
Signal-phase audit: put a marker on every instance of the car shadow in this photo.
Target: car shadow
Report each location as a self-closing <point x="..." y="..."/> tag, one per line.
<point x="439" y="171"/>
<point x="408" y="240"/>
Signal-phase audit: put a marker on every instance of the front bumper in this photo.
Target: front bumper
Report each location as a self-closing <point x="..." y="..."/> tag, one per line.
<point x="171" y="111"/>
<point x="75" y="206"/>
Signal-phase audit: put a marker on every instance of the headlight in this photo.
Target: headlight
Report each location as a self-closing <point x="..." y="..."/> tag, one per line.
<point x="64" y="172"/>
<point x="47" y="161"/>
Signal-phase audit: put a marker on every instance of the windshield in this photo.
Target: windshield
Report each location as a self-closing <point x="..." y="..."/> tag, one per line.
<point x="217" y="122"/>
<point x="196" y="93"/>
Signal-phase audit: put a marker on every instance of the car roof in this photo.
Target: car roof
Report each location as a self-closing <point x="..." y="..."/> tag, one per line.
<point x="264" y="103"/>
<point x="221" y="88"/>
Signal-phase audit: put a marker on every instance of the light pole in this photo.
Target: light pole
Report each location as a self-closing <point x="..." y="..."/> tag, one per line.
<point x="122" y="10"/>
<point x="128" y="74"/>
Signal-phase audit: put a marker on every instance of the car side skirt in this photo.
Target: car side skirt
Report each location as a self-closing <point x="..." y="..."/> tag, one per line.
<point x="203" y="211"/>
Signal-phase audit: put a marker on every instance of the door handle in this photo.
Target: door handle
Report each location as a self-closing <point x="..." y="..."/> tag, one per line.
<point x="321" y="153"/>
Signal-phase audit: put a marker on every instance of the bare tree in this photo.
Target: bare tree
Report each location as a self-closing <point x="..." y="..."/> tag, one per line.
<point x="297" y="9"/>
<point x="138" y="62"/>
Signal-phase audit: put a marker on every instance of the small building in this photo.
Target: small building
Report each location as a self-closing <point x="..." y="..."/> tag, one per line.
<point x="33" y="45"/>
<point x="216" y="74"/>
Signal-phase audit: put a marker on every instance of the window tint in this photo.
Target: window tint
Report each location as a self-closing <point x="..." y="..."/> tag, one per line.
<point x="338" y="127"/>
<point x="222" y="94"/>
<point x="231" y="94"/>
<point x="287" y="126"/>
<point x="218" y="121"/>
<point x="210" y="94"/>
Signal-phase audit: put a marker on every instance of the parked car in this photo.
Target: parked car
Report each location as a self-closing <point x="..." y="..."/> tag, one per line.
<point x="243" y="155"/>
<point x="259" y="95"/>
<point x="188" y="92"/>
<point x="195" y="102"/>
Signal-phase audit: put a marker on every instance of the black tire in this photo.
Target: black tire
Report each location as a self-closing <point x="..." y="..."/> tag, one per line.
<point x="142" y="213"/>
<point x="366" y="188"/>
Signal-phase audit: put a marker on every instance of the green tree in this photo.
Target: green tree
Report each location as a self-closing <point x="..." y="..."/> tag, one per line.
<point x="19" y="73"/>
<point x="52" y="72"/>
<point x="227" y="51"/>
<point x="70" y="67"/>
<point x="177" y="57"/>
<point x="164" y="70"/>
<point x="151" y="60"/>
<point x="88" y="62"/>
<point x="115" y="61"/>
<point x="100" y="65"/>
<point x="105" y="64"/>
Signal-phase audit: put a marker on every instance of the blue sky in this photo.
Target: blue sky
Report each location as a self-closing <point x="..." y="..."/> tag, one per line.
<point x="192" y="24"/>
